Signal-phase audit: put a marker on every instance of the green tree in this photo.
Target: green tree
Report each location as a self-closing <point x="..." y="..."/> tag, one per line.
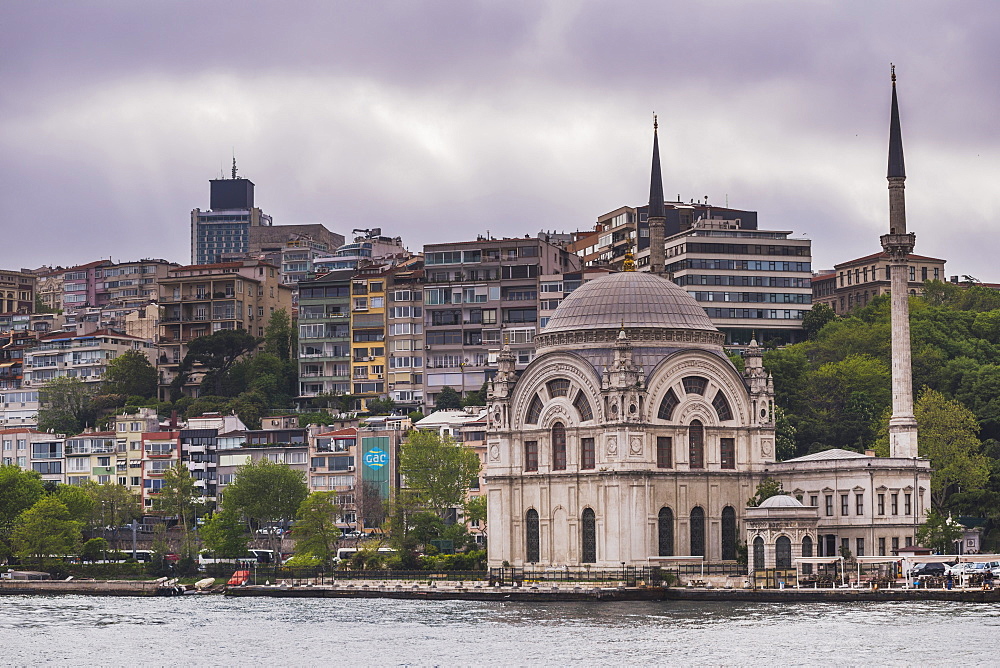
<point x="948" y="437"/>
<point x="66" y="406"/>
<point x="381" y="406"/>
<point x="79" y="503"/>
<point x="225" y="533"/>
<point x="114" y="505"/>
<point x="816" y="318"/>
<point x="19" y="490"/>
<point x="784" y="435"/>
<point x="217" y="353"/>
<point x="939" y="532"/>
<point x="766" y="488"/>
<point x="46" y="529"/>
<point x="447" y="398"/>
<point x="278" y="335"/>
<point x="437" y="469"/>
<point x="316" y="531"/>
<point x="131" y="374"/>
<point x="94" y="549"/>
<point x="178" y="497"/>
<point x="475" y="510"/>
<point x="477" y="398"/>
<point x="266" y="492"/>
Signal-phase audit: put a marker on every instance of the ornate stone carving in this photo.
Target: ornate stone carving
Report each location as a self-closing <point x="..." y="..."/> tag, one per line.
<point x="635" y="444"/>
<point x="612" y="444"/>
<point x="767" y="447"/>
<point x="494" y="452"/>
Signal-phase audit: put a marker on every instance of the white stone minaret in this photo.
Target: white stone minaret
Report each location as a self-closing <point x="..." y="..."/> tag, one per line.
<point x="898" y="244"/>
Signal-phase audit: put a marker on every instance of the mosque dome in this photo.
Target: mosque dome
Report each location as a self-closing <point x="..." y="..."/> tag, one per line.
<point x="630" y="299"/>
<point x="781" y="501"/>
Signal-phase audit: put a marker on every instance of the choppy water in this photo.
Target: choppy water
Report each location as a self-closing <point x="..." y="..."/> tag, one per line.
<point x="213" y="630"/>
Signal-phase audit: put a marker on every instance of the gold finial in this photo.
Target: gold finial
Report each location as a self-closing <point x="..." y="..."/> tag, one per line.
<point x="655" y="122"/>
<point x="628" y="263"/>
<point x="892" y="68"/>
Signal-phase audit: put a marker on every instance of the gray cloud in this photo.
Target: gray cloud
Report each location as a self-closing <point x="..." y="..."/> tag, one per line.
<point x="438" y="120"/>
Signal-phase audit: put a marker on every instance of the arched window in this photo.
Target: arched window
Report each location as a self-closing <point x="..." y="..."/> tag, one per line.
<point x="583" y="407"/>
<point x="531" y="536"/>
<point x="728" y="533"/>
<point x="721" y="405"/>
<point x="694" y="384"/>
<point x="758" y="553"/>
<point x="665" y="532"/>
<point x="696" y="445"/>
<point x="558" y="387"/>
<point x="558" y="447"/>
<point x="807" y="551"/>
<point x="667" y="406"/>
<point x="589" y="537"/>
<point x="697" y="532"/>
<point x="534" y="411"/>
<point x="783" y="552"/>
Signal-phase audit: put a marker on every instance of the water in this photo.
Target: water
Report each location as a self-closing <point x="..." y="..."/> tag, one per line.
<point x="213" y="630"/>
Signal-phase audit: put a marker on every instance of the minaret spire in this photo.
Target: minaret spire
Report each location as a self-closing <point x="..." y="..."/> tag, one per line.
<point x="657" y="215"/>
<point x="898" y="245"/>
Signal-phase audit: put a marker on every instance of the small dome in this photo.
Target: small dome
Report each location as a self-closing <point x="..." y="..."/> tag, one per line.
<point x="781" y="501"/>
<point x="630" y="298"/>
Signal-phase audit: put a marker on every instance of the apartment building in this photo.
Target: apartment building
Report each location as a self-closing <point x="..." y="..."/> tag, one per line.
<point x="553" y="288"/>
<point x="325" y="335"/>
<point x="18" y="408"/>
<point x="47" y="456"/>
<point x="12" y="347"/>
<point x="161" y="451"/>
<point x="86" y="357"/>
<point x="405" y="338"/>
<point x="17" y="292"/>
<point x="333" y="457"/>
<point x="225" y="228"/>
<point x="90" y="457"/>
<point x="855" y="282"/>
<point x="368" y="355"/>
<point x="130" y="430"/>
<point x="479" y="295"/>
<point x="202" y="299"/>
<point x="370" y="248"/>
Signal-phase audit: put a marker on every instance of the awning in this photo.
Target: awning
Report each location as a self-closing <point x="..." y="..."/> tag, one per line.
<point x="4" y="365"/>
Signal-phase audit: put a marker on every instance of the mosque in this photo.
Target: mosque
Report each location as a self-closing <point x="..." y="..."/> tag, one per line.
<point x="631" y="436"/>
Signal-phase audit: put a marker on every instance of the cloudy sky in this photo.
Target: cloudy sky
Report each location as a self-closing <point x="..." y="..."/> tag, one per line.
<point x="440" y="120"/>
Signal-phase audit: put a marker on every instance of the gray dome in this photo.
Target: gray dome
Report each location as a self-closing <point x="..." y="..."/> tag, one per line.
<point x="781" y="501"/>
<point x="635" y="299"/>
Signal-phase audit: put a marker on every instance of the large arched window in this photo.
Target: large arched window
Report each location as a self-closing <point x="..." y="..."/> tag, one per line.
<point x="696" y="445"/>
<point x="531" y="536"/>
<point x="558" y="447"/>
<point x="758" y="553"/>
<point x="665" y="532"/>
<point x="721" y="405"/>
<point x="697" y="532"/>
<point x="728" y="533"/>
<point x="589" y="537"/>
<point x="583" y="407"/>
<point x="807" y="551"/>
<point x="783" y="552"/>
<point x="534" y="411"/>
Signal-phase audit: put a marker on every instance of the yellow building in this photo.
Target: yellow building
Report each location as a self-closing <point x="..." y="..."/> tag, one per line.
<point x="368" y="354"/>
<point x="129" y="429"/>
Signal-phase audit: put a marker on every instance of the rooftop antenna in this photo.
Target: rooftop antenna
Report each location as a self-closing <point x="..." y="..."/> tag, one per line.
<point x="234" y="163"/>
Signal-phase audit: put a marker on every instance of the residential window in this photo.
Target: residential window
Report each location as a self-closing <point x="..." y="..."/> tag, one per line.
<point x="727" y="453"/>
<point x="664" y="452"/>
<point x="843" y="504"/>
<point x="907" y="504"/>
<point x="531" y="455"/>
<point x="881" y="504"/>
<point x="814" y="501"/>
<point x="860" y="542"/>
<point x="829" y="505"/>
<point x="895" y="504"/>
<point x="859" y="504"/>
<point x="558" y="447"/>
<point x="895" y="545"/>
<point x="881" y="547"/>
<point x="587" y="453"/>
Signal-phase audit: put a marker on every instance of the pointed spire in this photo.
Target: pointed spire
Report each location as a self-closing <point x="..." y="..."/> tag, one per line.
<point x="234" y="165"/>
<point x="655" y="180"/>
<point x="896" y="168"/>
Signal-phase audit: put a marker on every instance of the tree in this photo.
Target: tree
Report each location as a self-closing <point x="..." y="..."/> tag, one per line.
<point x="225" y="533"/>
<point x="939" y="532"/>
<point x="178" y="496"/>
<point x="278" y="335"/>
<point x="94" y="549"/>
<point x="266" y="492"/>
<point x="766" y="488"/>
<point x="131" y="374"/>
<point x="447" y="398"/>
<point x="114" y="505"/>
<point x="316" y="531"/>
<point x="475" y="510"/>
<point x="381" y="406"/>
<point x="79" y="503"/>
<point x="437" y="469"/>
<point x="218" y="352"/>
<point x="948" y="437"/>
<point x="19" y="490"/>
<point x="816" y="318"/>
<point x="46" y="529"/>
<point x="66" y="406"/>
<point x="477" y="398"/>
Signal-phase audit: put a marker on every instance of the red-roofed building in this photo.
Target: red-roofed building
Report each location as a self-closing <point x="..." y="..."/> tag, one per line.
<point x="856" y="282"/>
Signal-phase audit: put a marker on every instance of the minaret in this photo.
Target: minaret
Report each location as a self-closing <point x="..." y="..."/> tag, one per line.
<point x="898" y="245"/>
<point x="657" y="216"/>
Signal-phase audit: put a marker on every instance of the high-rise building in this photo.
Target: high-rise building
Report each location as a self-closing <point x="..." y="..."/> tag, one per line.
<point x="325" y="335"/>
<point x="225" y="227"/>
<point x="405" y="337"/>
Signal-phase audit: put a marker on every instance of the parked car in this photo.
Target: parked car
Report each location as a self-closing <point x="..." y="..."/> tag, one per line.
<point x="932" y="568"/>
